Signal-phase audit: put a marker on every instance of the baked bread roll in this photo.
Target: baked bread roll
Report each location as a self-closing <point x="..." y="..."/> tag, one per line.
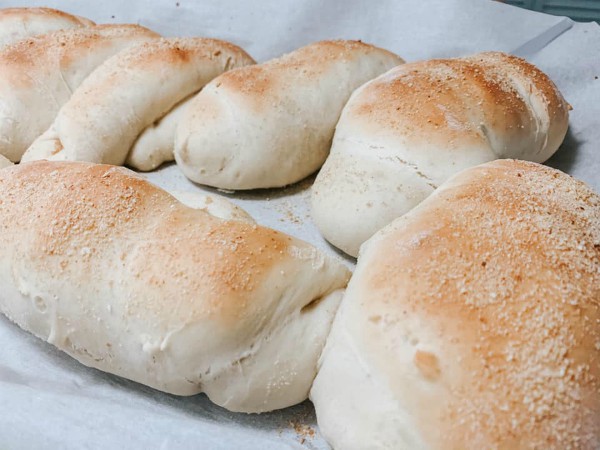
<point x="124" y="278"/>
<point x="20" y="23"/>
<point x="38" y="76"/>
<point x="271" y="125"/>
<point x="406" y="132"/>
<point x="472" y="322"/>
<point x="4" y="162"/>
<point x="128" y="93"/>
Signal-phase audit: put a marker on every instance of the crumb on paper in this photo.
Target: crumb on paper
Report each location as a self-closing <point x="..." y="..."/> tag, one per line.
<point x="287" y="210"/>
<point x="303" y="432"/>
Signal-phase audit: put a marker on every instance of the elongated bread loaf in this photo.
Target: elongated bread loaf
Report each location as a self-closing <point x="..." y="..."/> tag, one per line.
<point x="20" y="23"/>
<point x="121" y="276"/>
<point x="406" y="132"/>
<point x="128" y="93"/>
<point x="38" y="76"/>
<point x="473" y="321"/>
<point x="4" y="162"/>
<point x="271" y="125"/>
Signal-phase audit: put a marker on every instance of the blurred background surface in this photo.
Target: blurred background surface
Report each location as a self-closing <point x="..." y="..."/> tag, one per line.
<point x="580" y="10"/>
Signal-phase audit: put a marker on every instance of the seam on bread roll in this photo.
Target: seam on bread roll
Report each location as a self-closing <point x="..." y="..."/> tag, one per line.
<point x="365" y="149"/>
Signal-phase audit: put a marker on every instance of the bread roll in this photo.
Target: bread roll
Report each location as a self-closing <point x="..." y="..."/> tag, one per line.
<point x="128" y="93"/>
<point x="38" y="76"/>
<point x="20" y="23"/>
<point x="406" y="132"/>
<point x="271" y="125"/>
<point x="4" y="162"/>
<point x="124" y="278"/>
<point x="155" y="145"/>
<point x="472" y="322"/>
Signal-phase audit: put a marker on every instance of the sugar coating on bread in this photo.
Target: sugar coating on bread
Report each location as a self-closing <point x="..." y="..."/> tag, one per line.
<point x="124" y="278"/>
<point x="477" y="316"/>
<point x="66" y="45"/>
<point x="447" y="101"/>
<point x="259" y="82"/>
<point x="20" y="23"/>
<point x="403" y="134"/>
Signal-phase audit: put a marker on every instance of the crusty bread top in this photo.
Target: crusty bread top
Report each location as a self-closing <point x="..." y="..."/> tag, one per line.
<point x="256" y="81"/>
<point x="175" y="51"/>
<point x="28" y="51"/>
<point x="26" y="12"/>
<point x="495" y="282"/>
<point x="450" y="102"/>
<point x="20" y="23"/>
<point x="215" y="269"/>
<point x="62" y="47"/>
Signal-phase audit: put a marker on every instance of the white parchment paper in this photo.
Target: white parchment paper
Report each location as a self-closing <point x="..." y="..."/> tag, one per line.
<point x="49" y="401"/>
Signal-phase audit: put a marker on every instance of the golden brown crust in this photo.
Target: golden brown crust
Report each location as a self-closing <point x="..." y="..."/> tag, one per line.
<point x="178" y="51"/>
<point x="435" y="100"/>
<point x="501" y="269"/>
<point x="62" y="46"/>
<point x="312" y="60"/>
<point x="115" y="212"/>
<point x="32" y="13"/>
<point x="20" y="23"/>
<point x="506" y="65"/>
